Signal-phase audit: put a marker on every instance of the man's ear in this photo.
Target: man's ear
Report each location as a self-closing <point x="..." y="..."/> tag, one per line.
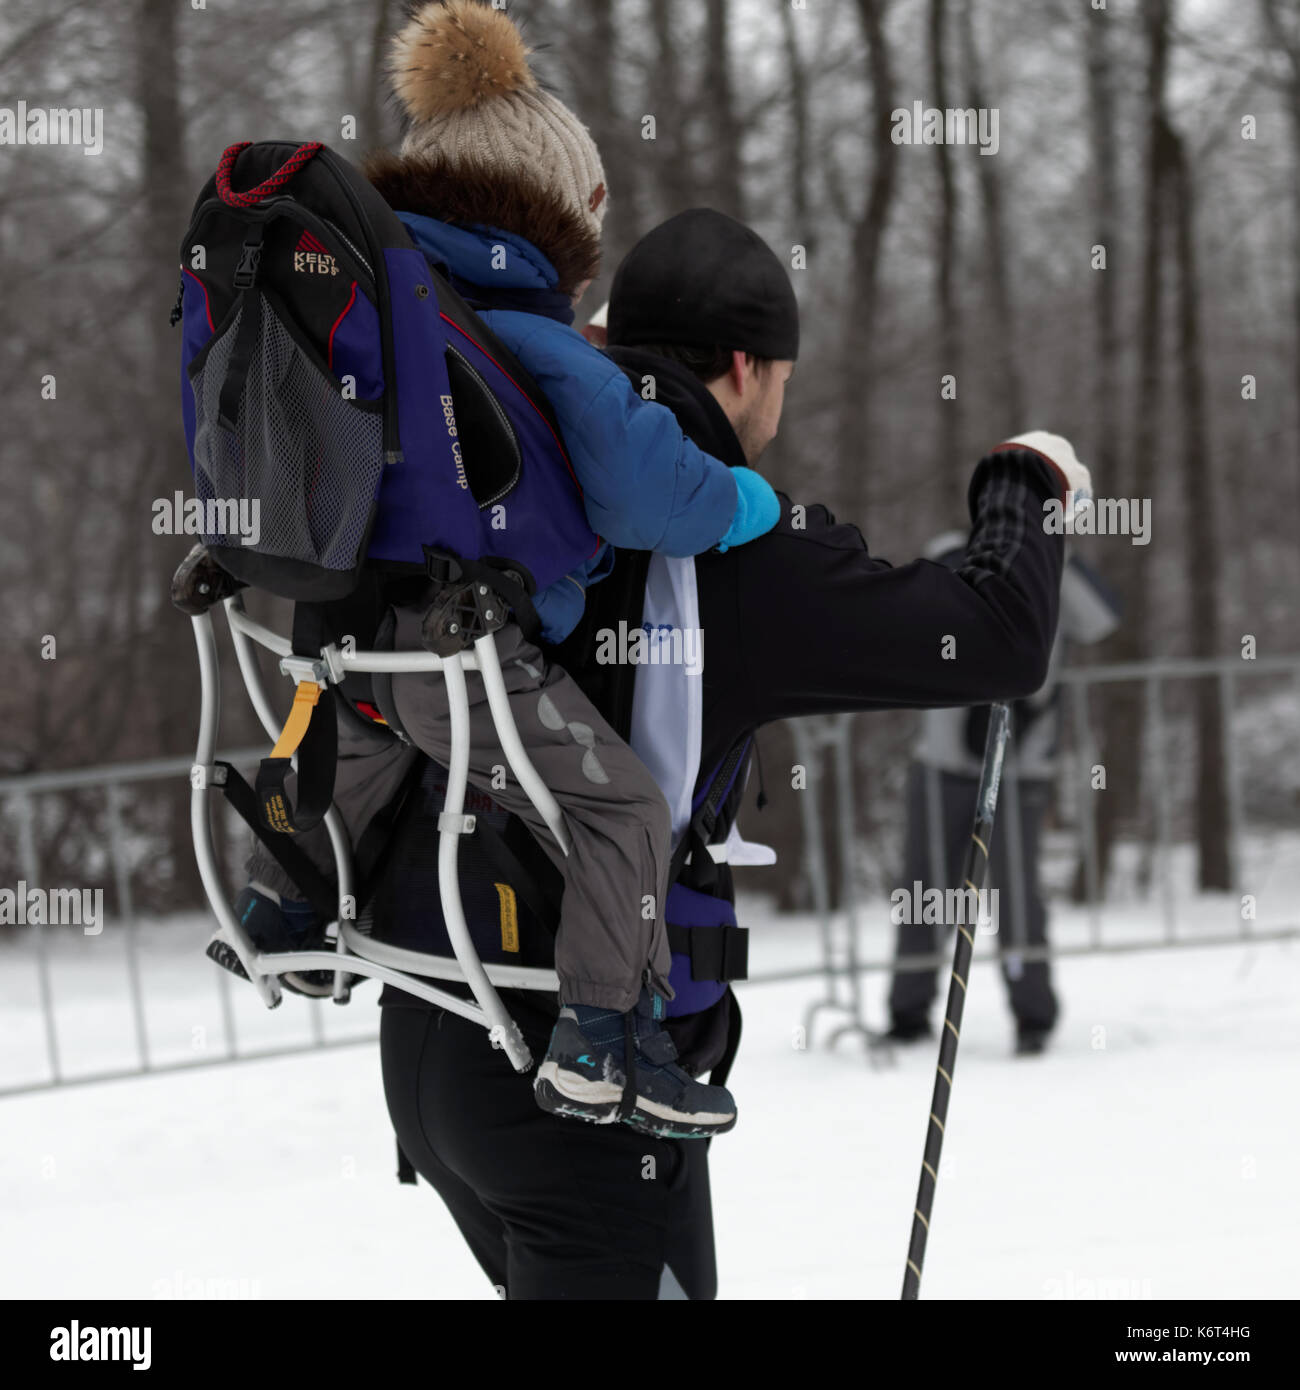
<point x="736" y="372"/>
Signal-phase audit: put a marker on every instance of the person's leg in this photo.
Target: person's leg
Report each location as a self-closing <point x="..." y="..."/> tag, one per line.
<point x="912" y="991"/>
<point x="616" y="871"/>
<point x="402" y="1036"/>
<point x="1029" y="983"/>
<point x="690" y="1259"/>
<point x="584" y="1211"/>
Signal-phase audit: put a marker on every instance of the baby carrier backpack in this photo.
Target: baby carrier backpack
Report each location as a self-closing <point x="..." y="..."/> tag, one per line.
<point x="346" y="414"/>
<point x="350" y="422"/>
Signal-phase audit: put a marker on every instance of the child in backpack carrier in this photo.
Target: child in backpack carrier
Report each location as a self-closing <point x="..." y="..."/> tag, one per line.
<point x="502" y="188"/>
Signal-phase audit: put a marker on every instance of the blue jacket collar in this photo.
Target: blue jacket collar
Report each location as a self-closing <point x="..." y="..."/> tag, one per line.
<point x="522" y="278"/>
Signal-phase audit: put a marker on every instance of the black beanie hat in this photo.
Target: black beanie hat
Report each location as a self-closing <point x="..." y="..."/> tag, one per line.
<point x="702" y="279"/>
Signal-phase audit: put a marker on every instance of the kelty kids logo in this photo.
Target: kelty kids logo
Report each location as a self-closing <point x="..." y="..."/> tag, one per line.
<point x="311" y="258"/>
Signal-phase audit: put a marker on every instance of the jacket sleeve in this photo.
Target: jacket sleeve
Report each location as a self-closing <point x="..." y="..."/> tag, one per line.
<point x="648" y="487"/>
<point x="645" y="485"/>
<point x="821" y="625"/>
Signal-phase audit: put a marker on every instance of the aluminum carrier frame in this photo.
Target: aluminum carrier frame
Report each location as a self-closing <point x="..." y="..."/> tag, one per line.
<point x="356" y="953"/>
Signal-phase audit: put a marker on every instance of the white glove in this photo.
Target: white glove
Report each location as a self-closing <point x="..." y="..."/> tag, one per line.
<point x="1059" y="453"/>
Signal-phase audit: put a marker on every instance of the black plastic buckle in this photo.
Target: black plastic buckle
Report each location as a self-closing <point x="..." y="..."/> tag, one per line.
<point x="249" y="260"/>
<point x="442" y="566"/>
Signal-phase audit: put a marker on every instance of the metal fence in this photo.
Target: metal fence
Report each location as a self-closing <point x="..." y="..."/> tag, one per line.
<point x="842" y="964"/>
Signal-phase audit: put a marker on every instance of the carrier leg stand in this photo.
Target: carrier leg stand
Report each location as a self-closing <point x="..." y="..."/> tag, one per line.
<point x="355" y="954"/>
<point x="204" y="776"/>
<point x="452" y="824"/>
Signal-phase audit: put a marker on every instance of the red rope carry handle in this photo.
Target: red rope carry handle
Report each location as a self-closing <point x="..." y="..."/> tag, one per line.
<point x="252" y="196"/>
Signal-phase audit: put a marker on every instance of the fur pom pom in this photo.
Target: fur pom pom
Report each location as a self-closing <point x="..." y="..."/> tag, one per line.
<point x="450" y="57"/>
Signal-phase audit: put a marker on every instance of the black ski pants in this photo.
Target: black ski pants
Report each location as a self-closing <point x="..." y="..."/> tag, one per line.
<point x="552" y="1208"/>
<point x="940" y="813"/>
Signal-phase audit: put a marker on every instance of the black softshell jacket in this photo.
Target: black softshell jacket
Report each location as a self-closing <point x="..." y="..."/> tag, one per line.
<point x="806" y="620"/>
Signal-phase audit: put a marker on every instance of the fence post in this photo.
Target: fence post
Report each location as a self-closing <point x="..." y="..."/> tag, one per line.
<point x="841" y="744"/>
<point x="1156" y="742"/>
<point x="126" y="911"/>
<point x="808" y="751"/>
<point x="32" y="875"/>
<point x="1232" y="773"/>
<point x="1087" y="808"/>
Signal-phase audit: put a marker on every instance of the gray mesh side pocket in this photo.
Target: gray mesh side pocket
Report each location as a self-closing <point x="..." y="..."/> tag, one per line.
<point x="309" y="458"/>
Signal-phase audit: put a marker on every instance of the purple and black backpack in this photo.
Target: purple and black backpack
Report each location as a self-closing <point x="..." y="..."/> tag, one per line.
<point x="333" y="377"/>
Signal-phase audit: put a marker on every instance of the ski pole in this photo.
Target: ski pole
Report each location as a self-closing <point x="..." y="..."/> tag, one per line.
<point x="974" y="875"/>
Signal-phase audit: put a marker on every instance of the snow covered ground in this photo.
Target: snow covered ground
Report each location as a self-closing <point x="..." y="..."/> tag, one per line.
<point x="1150" y="1154"/>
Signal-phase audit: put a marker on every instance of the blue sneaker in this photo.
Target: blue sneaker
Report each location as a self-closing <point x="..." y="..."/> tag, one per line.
<point x="275" y="924"/>
<point x="593" y="1052"/>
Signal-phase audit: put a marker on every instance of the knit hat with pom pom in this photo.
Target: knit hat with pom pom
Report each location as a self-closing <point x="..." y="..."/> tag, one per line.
<point x="460" y="70"/>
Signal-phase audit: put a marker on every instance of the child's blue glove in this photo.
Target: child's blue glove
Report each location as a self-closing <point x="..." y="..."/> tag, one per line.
<point x="757" y="509"/>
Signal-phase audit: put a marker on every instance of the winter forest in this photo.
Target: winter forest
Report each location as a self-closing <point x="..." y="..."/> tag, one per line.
<point x="1124" y="269"/>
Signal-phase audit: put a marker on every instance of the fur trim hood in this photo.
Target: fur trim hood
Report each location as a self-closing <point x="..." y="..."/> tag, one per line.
<point x="432" y="186"/>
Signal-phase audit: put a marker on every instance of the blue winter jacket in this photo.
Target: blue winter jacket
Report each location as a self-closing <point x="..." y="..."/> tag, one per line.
<point x="645" y="485"/>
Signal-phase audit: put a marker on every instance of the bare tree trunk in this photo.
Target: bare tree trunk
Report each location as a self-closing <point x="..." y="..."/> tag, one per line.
<point x="1104" y="445"/>
<point x="595" y="91"/>
<point x="949" y="312"/>
<point x="1204" y="558"/>
<point x="800" y="134"/>
<point x="672" y="146"/>
<point x="1101" y="120"/>
<point x="856" y="423"/>
<point x="996" y="240"/>
<point x="157" y="656"/>
<point x="374" y="128"/>
<point x="722" y="131"/>
<point x="1123" y="731"/>
<point x="1286" y="37"/>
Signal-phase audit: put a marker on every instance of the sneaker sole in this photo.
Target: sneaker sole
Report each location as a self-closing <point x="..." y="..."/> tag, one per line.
<point x="562" y="1092"/>
<point x="661" y="1127"/>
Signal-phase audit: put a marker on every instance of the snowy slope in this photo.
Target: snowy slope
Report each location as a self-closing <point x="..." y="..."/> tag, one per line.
<point x="1154" y="1158"/>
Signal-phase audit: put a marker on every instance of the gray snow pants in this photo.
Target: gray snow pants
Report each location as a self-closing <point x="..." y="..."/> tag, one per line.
<point x="612" y="929"/>
<point x="940" y="810"/>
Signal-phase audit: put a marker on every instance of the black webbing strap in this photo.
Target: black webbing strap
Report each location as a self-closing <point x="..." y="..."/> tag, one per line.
<point x="317" y="888"/>
<point x="718" y="1076"/>
<point x="246" y="337"/>
<point x="317" y="750"/>
<point x="405" y="1168"/>
<point x="716" y="953"/>
<point x="695" y="842"/>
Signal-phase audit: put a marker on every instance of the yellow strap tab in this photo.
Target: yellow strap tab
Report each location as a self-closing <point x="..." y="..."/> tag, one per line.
<point x="509" y="917"/>
<point x="295" y="727"/>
